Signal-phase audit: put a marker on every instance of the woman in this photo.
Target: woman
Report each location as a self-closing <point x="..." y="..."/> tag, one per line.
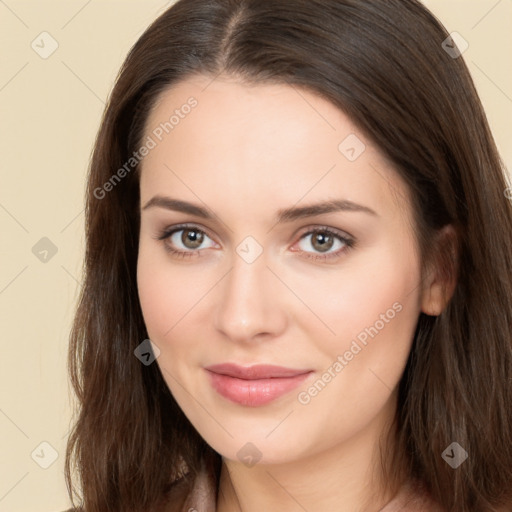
<point x="301" y="205"/>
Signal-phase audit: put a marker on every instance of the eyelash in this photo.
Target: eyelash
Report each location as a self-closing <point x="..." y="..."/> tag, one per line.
<point x="348" y="242"/>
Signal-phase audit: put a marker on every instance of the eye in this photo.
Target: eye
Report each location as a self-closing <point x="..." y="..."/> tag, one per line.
<point x="327" y="243"/>
<point x="185" y="240"/>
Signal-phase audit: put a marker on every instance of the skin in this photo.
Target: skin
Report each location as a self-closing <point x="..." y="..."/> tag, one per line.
<point x="244" y="153"/>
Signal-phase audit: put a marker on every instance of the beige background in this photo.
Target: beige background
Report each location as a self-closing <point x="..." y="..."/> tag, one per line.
<point x="50" y="111"/>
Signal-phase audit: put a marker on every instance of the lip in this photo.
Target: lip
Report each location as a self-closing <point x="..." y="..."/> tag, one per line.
<point x="254" y="385"/>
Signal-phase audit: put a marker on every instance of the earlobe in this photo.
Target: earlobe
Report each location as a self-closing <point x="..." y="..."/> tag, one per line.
<point x="441" y="278"/>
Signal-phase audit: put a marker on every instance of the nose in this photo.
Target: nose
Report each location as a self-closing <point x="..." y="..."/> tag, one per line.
<point x="249" y="302"/>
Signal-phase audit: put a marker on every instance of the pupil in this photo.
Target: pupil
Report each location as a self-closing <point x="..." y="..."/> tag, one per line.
<point x="192" y="238"/>
<point x="324" y="241"/>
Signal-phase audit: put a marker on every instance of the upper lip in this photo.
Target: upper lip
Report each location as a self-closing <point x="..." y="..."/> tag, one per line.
<point x="258" y="371"/>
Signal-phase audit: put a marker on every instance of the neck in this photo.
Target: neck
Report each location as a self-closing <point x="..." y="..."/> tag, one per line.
<point x="346" y="478"/>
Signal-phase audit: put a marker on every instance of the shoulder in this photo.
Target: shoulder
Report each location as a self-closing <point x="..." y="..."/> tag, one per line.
<point x="413" y="497"/>
<point x="197" y="493"/>
<point x="178" y="494"/>
<point x="183" y="492"/>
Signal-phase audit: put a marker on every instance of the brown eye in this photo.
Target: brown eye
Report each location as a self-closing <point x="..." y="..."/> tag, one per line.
<point x="192" y="238"/>
<point x="185" y="240"/>
<point x="322" y="241"/>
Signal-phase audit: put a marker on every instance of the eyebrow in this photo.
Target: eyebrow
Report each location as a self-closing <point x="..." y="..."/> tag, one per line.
<point x="334" y="205"/>
<point x="283" y="215"/>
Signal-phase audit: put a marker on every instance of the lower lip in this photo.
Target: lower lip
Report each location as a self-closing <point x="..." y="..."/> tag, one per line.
<point x="253" y="393"/>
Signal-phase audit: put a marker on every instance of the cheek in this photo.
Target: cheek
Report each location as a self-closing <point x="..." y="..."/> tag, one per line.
<point x="163" y="293"/>
<point x="373" y="308"/>
<point x="172" y="299"/>
<point x="155" y="298"/>
<point x="373" y="300"/>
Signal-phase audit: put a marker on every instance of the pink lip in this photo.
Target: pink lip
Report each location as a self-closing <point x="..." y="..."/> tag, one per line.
<point x="255" y="385"/>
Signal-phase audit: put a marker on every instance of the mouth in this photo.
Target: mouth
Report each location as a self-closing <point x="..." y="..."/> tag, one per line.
<point x="256" y="385"/>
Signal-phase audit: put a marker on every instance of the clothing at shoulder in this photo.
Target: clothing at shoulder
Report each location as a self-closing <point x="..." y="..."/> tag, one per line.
<point x="412" y="497"/>
<point x="201" y="496"/>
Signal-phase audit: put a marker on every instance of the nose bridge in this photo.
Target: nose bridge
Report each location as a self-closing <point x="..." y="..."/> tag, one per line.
<point x="249" y="304"/>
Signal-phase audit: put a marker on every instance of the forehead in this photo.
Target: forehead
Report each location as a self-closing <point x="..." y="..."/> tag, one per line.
<point x="242" y="141"/>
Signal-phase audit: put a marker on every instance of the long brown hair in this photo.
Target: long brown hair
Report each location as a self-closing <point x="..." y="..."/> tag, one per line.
<point x="383" y="64"/>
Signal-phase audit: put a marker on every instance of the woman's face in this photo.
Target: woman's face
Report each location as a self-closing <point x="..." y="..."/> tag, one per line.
<point x="258" y="174"/>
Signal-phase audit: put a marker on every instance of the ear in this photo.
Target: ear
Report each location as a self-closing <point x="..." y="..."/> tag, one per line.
<point x="441" y="277"/>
